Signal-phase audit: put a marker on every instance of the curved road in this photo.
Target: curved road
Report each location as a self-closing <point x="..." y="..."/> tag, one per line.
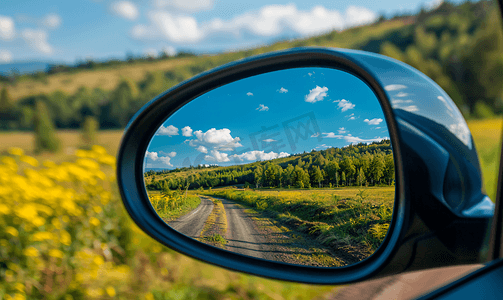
<point x="242" y="234"/>
<point x="192" y="223"/>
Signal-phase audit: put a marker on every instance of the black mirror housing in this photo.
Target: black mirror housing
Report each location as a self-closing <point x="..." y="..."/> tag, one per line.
<point x="441" y="216"/>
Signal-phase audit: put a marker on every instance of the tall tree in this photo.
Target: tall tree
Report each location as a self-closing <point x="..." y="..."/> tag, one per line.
<point x="45" y="134"/>
<point x="89" y="133"/>
<point x="360" y="178"/>
<point x="316" y="176"/>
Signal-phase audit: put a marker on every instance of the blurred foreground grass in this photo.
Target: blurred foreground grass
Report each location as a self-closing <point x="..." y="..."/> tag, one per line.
<point x="64" y="233"/>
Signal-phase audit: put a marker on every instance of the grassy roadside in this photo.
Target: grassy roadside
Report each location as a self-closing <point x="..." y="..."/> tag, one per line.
<point x="351" y="220"/>
<point x="215" y="227"/>
<point x="290" y="245"/>
<point x="171" y="207"/>
<point x="487" y="137"/>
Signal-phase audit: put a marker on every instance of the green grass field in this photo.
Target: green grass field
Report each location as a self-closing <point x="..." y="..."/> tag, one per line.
<point x="171" y="207"/>
<point x="351" y="218"/>
<point x="187" y="277"/>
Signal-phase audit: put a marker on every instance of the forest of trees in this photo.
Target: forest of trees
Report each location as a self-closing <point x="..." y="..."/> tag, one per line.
<point x="457" y="45"/>
<point x="354" y="165"/>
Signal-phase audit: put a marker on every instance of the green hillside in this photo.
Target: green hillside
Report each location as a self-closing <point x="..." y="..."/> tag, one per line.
<point x="458" y="46"/>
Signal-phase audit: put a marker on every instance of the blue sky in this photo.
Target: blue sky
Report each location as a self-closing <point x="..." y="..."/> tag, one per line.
<point x="268" y="116"/>
<point x="69" y="31"/>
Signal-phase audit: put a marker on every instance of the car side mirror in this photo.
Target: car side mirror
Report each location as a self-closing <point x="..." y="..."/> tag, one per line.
<point x="242" y="167"/>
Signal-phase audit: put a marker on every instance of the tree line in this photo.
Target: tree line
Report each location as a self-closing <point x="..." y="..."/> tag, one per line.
<point x="457" y="45"/>
<point x="354" y="165"/>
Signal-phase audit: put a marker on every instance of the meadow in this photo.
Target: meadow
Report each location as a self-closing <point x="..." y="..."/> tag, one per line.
<point x="82" y="244"/>
<point x="172" y="205"/>
<point x="351" y="220"/>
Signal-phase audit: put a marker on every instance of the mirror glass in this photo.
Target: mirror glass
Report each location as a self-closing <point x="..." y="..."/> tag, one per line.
<point x="293" y="166"/>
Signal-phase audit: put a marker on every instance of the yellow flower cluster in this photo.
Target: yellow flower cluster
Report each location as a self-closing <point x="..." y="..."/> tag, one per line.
<point x="60" y="227"/>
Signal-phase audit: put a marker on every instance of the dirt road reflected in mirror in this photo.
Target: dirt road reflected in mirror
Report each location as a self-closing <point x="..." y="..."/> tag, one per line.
<point x="293" y="166"/>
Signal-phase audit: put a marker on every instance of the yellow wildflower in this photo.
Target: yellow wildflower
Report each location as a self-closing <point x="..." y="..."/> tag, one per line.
<point x="56" y="223"/>
<point x="56" y="253"/>
<point x="65" y="238"/>
<point x="49" y="164"/>
<point x="80" y="153"/>
<point x="94" y="221"/>
<point x="97" y="209"/>
<point x="94" y="293"/>
<point x="107" y="160"/>
<point x="98" y="260"/>
<point x="4" y="209"/>
<point x="31" y="252"/>
<point x="12" y="231"/>
<point x="29" y="160"/>
<point x="10" y="163"/>
<point x="110" y="291"/>
<point x="27" y="212"/>
<point x="16" y="151"/>
<point x="88" y="163"/>
<point x="38" y="221"/>
<point x="99" y="149"/>
<point x="19" y="286"/>
<point x="65" y="219"/>
<point x="149" y="296"/>
<point x="42" y="236"/>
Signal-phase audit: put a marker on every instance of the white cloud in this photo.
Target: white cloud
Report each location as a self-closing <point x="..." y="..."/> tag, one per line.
<point x="5" y="56"/>
<point x="410" y="108"/>
<point x="220" y="139"/>
<point x="217" y="156"/>
<point x="395" y="87"/>
<point x="268" y="21"/>
<point x="352" y="118"/>
<point x="169" y="131"/>
<point x="202" y="149"/>
<point x="169" y="50"/>
<point x="37" y="39"/>
<point x="344" y="104"/>
<point x="150" y="52"/>
<point x="316" y="94"/>
<point x="282" y="90"/>
<point x="249" y="94"/>
<point x="187" y="131"/>
<point x="52" y="21"/>
<point x="175" y="28"/>
<point x="7" y="30"/>
<point x="269" y="140"/>
<point x="255" y="155"/>
<point x="154" y="156"/>
<point x="342" y="130"/>
<point x="399" y="101"/>
<point x="317" y="134"/>
<point x="401" y="94"/>
<point x="272" y="20"/>
<point x="322" y="146"/>
<point x="358" y="16"/>
<point x="433" y="4"/>
<point x="262" y="107"/>
<point x="352" y="139"/>
<point x="166" y="160"/>
<point x="125" y="9"/>
<point x="185" y="5"/>
<point x="374" y="121"/>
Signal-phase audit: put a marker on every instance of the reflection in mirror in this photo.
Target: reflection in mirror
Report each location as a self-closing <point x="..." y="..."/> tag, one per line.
<point x="293" y="166"/>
